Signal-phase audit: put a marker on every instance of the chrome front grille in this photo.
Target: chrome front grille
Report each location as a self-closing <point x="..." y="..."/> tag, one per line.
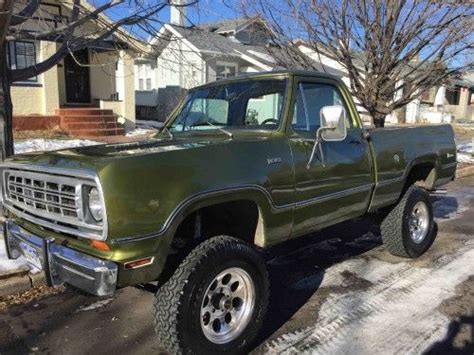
<point x="53" y="200"/>
<point x="35" y="193"/>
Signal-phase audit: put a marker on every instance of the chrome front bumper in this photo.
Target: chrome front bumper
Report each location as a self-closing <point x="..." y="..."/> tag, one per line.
<point x="61" y="264"/>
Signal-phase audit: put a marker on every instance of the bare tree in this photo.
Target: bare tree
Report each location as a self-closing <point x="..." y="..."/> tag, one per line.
<point x="392" y="50"/>
<point x="133" y="20"/>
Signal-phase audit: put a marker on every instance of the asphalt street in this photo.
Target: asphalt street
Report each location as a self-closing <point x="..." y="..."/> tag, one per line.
<point x="336" y="291"/>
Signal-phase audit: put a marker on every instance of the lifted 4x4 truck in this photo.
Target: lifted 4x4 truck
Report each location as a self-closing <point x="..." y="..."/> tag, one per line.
<point x="241" y="165"/>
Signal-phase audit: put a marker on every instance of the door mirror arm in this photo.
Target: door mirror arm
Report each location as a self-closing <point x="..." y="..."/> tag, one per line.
<point x="318" y="145"/>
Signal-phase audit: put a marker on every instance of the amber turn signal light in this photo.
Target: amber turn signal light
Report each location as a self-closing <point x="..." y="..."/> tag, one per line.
<point x="97" y="244"/>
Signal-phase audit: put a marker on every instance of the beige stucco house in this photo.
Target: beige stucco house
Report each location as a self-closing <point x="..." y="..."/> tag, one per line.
<point x="100" y="76"/>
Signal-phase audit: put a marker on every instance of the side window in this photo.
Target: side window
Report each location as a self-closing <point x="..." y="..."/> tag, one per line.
<point x="310" y="99"/>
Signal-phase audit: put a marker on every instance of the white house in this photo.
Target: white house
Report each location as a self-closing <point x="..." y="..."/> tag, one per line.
<point x="190" y="56"/>
<point x="440" y="104"/>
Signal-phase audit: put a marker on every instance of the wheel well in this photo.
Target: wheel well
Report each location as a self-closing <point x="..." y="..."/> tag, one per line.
<point x="240" y="219"/>
<point x="422" y="174"/>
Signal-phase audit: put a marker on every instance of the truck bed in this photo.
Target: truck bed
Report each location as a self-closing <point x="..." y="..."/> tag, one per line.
<point x="397" y="150"/>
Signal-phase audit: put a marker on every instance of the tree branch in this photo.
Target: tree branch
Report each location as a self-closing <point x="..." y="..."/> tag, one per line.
<point x="25" y="14"/>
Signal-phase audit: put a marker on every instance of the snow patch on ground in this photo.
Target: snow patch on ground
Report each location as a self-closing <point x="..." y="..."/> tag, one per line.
<point x="466" y="153"/>
<point x="140" y="132"/>
<point x="40" y="144"/>
<point x="95" y="305"/>
<point x="382" y="316"/>
<point x="10" y="266"/>
<point x="144" y="127"/>
<point x="148" y="124"/>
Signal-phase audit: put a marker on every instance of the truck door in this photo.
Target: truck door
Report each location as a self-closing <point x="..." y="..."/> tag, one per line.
<point x="338" y="188"/>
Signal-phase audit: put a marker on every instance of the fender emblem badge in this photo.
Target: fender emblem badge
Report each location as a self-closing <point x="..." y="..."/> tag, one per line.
<point x="273" y="161"/>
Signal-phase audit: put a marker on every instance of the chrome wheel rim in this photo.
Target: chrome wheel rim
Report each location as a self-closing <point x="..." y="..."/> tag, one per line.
<point x="227" y="305"/>
<point x="419" y="222"/>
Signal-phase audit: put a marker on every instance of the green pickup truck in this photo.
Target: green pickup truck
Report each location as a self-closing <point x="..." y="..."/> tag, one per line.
<point x="241" y="165"/>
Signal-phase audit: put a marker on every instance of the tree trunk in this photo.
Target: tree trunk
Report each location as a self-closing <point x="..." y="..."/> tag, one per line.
<point x="6" y="119"/>
<point x="6" y="109"/>
<point x="379" y="120"/>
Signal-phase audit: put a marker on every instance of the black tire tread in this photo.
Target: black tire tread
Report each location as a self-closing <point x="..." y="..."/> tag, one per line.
<point x="167" y="301"/>
<point x="392" y="225"/>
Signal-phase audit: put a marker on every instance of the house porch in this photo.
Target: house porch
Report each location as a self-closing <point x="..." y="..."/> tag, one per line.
<point x="94" y="88"/>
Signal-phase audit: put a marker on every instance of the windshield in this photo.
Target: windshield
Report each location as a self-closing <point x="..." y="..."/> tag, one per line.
<point x="251" y="104"/>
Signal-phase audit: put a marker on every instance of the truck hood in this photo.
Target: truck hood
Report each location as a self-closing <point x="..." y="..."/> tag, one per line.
<point x="97" y="157"/>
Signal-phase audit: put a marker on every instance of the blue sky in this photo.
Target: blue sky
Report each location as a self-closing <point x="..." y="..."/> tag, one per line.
<point x="205" y="11"/>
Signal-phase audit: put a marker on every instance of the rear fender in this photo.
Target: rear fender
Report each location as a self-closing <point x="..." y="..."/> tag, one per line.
<point x="432" y="159"/>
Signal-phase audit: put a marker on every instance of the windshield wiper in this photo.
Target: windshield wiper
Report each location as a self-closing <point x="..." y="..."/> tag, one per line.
<point x="216" y="127"/>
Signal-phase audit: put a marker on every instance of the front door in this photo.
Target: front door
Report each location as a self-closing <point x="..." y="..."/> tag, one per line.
<point x="76" y="68"/>
<point x="336" y="186"/>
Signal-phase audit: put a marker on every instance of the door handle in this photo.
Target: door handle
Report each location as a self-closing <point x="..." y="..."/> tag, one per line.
<point x="355" y="141"/>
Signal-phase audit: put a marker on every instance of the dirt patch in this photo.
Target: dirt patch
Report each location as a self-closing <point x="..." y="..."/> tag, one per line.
<point x="55" y="133"/>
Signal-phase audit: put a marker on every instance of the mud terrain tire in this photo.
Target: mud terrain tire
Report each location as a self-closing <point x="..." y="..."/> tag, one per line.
<point x="399" y="228"/>
<point x="179" y="302"/>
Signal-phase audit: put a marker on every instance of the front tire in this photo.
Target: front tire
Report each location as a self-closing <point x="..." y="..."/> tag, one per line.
<point x="408" y="229"/>
<point x="215" y="301"/>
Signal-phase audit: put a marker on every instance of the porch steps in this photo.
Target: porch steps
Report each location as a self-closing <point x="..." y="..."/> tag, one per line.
<point x="89" y="122"/>
<point x="84" y="111"/>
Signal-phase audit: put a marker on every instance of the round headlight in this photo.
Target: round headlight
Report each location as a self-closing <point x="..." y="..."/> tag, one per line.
<point x="95" y="204"/>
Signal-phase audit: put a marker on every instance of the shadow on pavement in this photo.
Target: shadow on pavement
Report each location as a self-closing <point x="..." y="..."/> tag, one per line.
<point x="297" y="267"/>
<point x="447" y="346"/>
<point x="444" y="206"/>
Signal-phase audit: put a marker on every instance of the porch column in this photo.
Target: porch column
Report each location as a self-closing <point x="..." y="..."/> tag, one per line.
<point x="126" y="87"/>
<point x="50" y="79"/>
<point x="463" y="103"/>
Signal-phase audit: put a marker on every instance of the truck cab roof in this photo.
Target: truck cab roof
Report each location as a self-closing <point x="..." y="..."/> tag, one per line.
<point x="271" y="74"/>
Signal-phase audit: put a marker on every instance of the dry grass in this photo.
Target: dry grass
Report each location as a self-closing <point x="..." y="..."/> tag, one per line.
<point x="54" y="133"/>
<point x="463" y="132"/>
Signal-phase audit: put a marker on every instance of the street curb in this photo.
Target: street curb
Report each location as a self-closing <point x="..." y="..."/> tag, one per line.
<point x="467" y="171"/>
<point x="10" y="285"/>
<point x="14" y="285"/>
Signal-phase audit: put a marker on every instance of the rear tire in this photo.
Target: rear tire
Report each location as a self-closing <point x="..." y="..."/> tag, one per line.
<point x="216" y="300"/>
<point x="408" y="229"/>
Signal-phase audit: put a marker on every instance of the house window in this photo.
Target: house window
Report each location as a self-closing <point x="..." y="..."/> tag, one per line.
<point x="144" y="74"/>
<point x="225" y="70"/>
<point x="453" y="95"/>
<point x="22" y="55"/>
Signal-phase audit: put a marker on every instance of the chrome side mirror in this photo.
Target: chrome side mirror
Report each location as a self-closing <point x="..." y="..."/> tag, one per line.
<point x="332" y="129"/>
<point x="333" y="123"/>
